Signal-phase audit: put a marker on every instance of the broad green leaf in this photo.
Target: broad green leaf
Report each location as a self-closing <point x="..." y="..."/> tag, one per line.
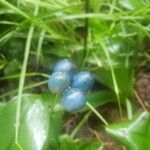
<point x="120" y="53"/>
<point x="114" y="55"/>
<point x="7" y="125"/>
<point x="35" y="123"/>
<point x="55" y="119"/>
<point x="67" y="143"/>
<point x="135" y="134"/>
<point x="12" y="67"/>
<point x="1" y="106"/>
<point x="90" y="145"/>
<point x="123" y="77"/>
<point x="99" y="98"/>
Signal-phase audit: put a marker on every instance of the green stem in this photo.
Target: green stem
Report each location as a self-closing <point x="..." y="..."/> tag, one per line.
<point x="25" y="88"/>
<point x="27" y="75"/>
<point x="54" y="103"/>
<point x="77" y="128"/>
<point x="116" y="89"/>
<point x="22" y="79"/>
<point x="18" y="3"/>
<point x="112" y="6"/>
<point x="39" y="47"/>
<point x="129" y="109"/>
<point x="9" y="5"/>
<point x="86" y="37"/>
<point x="97" y="113"/>
<point x="18" y="145"/>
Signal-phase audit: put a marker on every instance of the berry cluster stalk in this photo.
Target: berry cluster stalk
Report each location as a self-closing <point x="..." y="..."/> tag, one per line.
<point x="97" y="113"/>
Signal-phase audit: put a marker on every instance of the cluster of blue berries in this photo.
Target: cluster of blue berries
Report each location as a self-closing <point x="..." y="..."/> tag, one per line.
<point x="71" y="84"/>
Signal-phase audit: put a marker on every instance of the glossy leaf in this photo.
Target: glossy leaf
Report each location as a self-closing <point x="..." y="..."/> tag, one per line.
<point x="99" y="98"/>
<point x="135" y="134"/>
<point x="121" y="58"/>
<point x="1" y="106"/>
<point x="55" y="121"/>
<point x="35" y="123"/>
<point x="7" y="121"/>
<point x="35" y="126"/>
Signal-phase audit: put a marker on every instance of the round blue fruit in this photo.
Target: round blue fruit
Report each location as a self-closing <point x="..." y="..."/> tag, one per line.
<point x="66" y="66"/>
<point x="58" y="82"/>
<point x="83" y="81"/>
<point x="73" y="99"/>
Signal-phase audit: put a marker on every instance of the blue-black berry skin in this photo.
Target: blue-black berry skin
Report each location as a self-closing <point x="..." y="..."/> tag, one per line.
<point x="58" y="82"/>
<point x="66" y="66"/>
<point x="83" y="81"/>
<point x="73" y="100"/>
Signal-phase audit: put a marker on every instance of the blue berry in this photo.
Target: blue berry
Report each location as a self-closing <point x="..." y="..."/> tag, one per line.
<point x="58" y="82"/>
<point x="72" y="100"/>
<point x="83" y="81"/>
<point x="66" y="66"/>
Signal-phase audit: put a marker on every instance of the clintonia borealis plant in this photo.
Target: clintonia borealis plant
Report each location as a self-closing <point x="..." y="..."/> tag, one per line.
<point x="104" y="37"/>
<point x="73" y="87"/>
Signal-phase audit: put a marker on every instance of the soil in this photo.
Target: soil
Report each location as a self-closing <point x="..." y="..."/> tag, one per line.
<point x="142" y="86"/>
<point x="93" y="127"/>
